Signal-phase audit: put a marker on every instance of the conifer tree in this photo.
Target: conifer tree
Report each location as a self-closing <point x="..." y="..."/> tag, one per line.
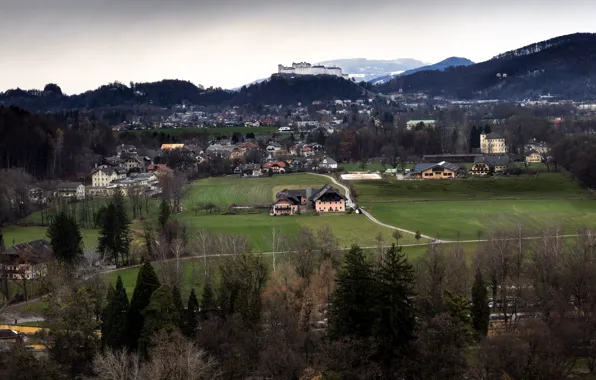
<point x="480" y="310"/>
<point x="208" y="301"/>
<point x="177" y="298"/>
<point x="160" y="314"/>
<point x="394" y="308"/>
<point x="164" y="214"/>
<point x="114" y="236"/>
<point x="352" y="302"/>
<point x="66" y="239"/>
<point x="191" y="315"/>
<point x="147" y="283"/>
<point x="107" y="313"/>
<point x="116" y="336"/>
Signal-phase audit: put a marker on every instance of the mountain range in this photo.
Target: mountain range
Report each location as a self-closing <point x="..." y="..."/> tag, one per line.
<point x="441" y="66"/>
<point x="363" y="69"/>
<point x="563" y="67"/>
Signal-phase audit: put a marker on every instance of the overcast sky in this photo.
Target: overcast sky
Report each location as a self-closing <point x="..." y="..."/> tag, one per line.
<point x="81" y="44"/>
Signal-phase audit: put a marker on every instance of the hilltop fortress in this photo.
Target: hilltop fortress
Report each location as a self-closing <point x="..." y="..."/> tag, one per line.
<point x="304" y="68"/>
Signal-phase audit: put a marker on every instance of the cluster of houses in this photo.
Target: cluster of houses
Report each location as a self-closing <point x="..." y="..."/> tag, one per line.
<point x="493" y="160"/>
<point x="281" y="166"/>
<point x="126" y="171"/>
<point x="323" y="200"/>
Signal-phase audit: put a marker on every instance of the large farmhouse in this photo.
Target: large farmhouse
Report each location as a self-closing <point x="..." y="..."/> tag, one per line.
<point x="442" y="170"/>
<point x="325" y="199"/>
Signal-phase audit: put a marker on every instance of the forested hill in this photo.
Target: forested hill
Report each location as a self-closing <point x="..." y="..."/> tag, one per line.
<point x="165" y="93"/>
<point x="562" y="66"/>
<point x="305" y="89"/>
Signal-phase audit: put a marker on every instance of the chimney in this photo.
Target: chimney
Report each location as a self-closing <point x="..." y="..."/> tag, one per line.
<point x="308" y="192"/>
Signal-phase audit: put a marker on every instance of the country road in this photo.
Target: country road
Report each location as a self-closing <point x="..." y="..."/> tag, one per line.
<point x="372" y="218"/>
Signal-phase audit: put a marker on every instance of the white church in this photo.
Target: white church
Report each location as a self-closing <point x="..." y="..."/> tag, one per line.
<point x="304" y="68"/>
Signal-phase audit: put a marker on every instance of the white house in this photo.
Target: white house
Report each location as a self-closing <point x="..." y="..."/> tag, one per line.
<point x="70" y="190"/>
<point x="273" y="148"/>
<point x="105" y="175"/>
<point x="328" y="163"/>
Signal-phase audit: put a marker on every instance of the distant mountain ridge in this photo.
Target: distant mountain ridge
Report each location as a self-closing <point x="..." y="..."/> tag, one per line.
<point x="444" y="64"/>
<point x="364" y="69"/>
<point x="562" y="66"/>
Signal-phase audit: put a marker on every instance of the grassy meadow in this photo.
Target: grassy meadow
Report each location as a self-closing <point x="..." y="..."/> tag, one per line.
<point x="224" y="191"/>
<point x="469" y="208"/>
<point x="18" y="235"/>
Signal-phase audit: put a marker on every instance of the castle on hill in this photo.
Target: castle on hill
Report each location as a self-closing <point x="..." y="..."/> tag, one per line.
<point x="304" y="68"/>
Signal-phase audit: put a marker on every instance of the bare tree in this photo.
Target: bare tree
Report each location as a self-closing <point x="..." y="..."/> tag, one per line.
<point x="203" y="243"/>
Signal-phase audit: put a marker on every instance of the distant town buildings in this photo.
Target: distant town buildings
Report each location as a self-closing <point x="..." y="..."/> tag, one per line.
<point x="304" y="68"/>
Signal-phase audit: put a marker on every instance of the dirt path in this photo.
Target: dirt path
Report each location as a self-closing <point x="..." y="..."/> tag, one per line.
<point x="372" y="218"/>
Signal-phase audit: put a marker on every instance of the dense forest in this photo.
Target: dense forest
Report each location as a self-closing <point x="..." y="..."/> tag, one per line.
<point x="304" y="89"/>
<point x="561" y="67"/>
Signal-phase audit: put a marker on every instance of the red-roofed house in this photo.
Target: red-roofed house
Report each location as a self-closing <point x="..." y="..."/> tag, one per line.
<point x="276" y="166"/>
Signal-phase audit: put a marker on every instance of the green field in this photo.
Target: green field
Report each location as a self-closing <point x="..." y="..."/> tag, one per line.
<point x="473" y="219"/>
<point x="542" y="186"/>
<point x="212" y="132"/>
<point x="17" y="235"/>
<point x="469" y="208"/>
<point x="223" y="191"/>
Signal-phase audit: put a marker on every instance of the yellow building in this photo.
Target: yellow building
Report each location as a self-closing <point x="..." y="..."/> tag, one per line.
<point x="493" y="143"/>
<point x="534" y="157"/>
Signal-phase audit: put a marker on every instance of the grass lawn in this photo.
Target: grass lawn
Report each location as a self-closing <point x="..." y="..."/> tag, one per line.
<point x="223" y="191"/>
<point x="468" y="218"/>
<point x="543" y="186"/>
<point x="17" y="235"/>
<point x="213" y="132"/>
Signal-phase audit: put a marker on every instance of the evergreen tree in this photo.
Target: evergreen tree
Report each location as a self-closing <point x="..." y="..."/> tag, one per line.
<point x="394" y="308"/>
<point x="160" y="314"/>
<point x="147" y="283"/>
<point x="164" y="214"/>
<point x="66" y="239"/>
<point x="352" y="302"/>
<point x="191" y="315"/>
<point x="114" y="237"/>
<point x="208" y="301"/>
<point x="116" y="333"/>
<point x="480" y="310"/>
<point x="177" y="298"/>
<point x="106" y="314"/>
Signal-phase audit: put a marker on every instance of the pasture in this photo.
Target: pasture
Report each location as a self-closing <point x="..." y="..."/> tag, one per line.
<point x="469" y="208"/>
<point x="471" y="220"/>
<point x="18" y="235"/>
<point x="543" y="186"/>
<point x="224" y="191"/>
